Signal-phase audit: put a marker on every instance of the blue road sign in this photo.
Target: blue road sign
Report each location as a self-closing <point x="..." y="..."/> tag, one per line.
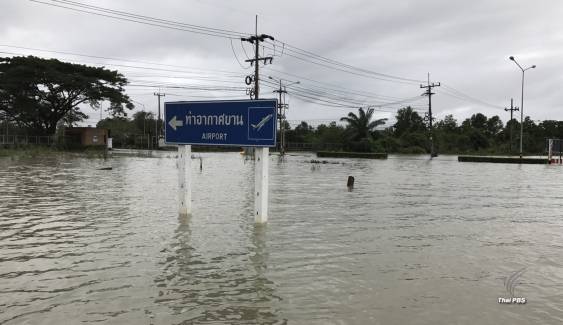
<point x="248" y="123"/>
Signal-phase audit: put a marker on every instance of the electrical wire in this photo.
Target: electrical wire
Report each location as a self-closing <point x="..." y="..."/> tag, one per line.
<point x="347" y="101"/>
<point x="236" y="57"/>
<point x="305" y="53"/>
<point x="117" y="59"/>
<point x="289" y="50"/>
<point x="145" y="20"/>
<point x="450" y="91"/>
<point x="332" y="87"/>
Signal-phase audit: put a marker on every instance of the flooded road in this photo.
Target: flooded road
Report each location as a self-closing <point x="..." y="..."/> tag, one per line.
<point x="415" y="242"/>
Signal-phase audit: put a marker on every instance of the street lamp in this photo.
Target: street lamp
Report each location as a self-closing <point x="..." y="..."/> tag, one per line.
<point x="144" y="123"/>
<point x="522" y="101"/>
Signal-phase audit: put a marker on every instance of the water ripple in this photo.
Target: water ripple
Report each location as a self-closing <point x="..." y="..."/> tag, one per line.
<point x="414" y="242"/>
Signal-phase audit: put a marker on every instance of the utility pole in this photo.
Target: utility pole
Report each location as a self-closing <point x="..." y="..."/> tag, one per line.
<point x="260" y="153"/>
<point x="281" y="110"/>
<point x="6" y="121"/>
<point x="429" y="93"/>
<point x="255" y="40"/>
<point x="511" y="109"/>
<point x="157" y="126"/>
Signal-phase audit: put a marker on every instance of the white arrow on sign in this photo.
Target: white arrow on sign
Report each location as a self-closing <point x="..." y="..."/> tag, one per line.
<point x="174" y="123"/>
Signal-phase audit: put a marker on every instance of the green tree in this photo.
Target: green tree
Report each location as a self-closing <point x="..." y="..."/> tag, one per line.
<point x="448" y="124"/>
<point x="494" y="126"/>
<point x="408" y="120"/>
<point x="37" y="93"/>
<point x="330" y="136"/>
<point x="122" y="130"/>
<point x="144" y="122"/>
<point x="360" y="126"/>
<point x="476" y="121"/>
<point x="302" y="133"/>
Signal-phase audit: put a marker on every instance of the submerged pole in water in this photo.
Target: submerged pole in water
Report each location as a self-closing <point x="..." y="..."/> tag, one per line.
<point x="350" y="183"/>
<point x="184" y="182"/>
<point x="261" y="160"/>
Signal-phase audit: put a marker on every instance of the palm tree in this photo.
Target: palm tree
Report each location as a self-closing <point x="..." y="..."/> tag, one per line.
<point x="361" y="125"/>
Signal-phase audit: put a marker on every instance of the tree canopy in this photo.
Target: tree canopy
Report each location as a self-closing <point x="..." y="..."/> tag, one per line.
<point x="489" y="135"/>
<point x="408" y="121"/>
<point x="37" y="93"/>
<point x="360" y="126"/>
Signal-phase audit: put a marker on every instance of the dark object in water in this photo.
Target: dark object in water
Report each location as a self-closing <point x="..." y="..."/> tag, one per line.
<point x="350" y="183"/>
<point x="313" y="161"/>
<point x="339" y="154"/>
<point x="105" y="168"/>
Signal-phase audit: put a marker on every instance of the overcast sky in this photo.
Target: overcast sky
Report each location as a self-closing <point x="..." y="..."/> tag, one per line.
<point x="465" y="45"/>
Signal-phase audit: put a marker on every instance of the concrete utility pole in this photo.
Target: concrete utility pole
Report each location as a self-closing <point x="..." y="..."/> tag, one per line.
<point x="157" y="126"/>
<point x="429" y="93"/>
<point x="511" y="109"/>
<point x="255" y="40"/>
<point x="261" y="153"/>
<point x="6" y="121"/>
<point x="281" y="111"/>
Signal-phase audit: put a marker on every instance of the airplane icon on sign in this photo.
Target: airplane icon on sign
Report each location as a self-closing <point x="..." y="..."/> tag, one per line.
<point x="259" y="126"/>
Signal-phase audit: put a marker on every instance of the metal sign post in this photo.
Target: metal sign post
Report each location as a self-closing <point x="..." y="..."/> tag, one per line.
<point x="245" y="123"/>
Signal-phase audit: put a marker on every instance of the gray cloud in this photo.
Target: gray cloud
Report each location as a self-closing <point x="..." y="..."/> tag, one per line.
<point x="463" y="44"/>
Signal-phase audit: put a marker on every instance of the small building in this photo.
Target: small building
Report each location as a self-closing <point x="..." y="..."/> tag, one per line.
<point x="87" y="136"/>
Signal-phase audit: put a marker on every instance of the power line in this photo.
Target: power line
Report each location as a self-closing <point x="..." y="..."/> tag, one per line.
<point x="208" y="88"/>
<point x="217" y="32"/>
<point x="460" y="95"/>
<point x="220" y="33"/>
<point x="360" y="74"/>
<point x="332" y="87"/>
<point x="236" y="57"/>
<point x="145" y="20"/>
<point x="305" y="53"/>
<point x="168" y="21"/>
<point x="287" y="49"/>
<point x="122" y="60"/>
<point x="219" y="81"/>
<point x="340" y="100"/>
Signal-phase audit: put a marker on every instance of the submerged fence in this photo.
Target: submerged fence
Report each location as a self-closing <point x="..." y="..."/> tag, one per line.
<point x="38" y="140"/>
<point x="136" y="141"/>
<point x="27" y="140"/>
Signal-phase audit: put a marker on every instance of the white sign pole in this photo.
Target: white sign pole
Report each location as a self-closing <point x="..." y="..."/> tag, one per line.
<point x="184" y="183"/>
<point x="549" y="146"/>
<point x="261" y="160"/>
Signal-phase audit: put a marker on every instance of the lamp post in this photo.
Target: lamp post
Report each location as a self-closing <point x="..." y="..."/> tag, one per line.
<point x="521" y="101"/>
<point x="144" y="124"/>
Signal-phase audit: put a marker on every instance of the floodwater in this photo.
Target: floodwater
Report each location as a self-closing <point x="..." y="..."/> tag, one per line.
<point x="415" y="242"/>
